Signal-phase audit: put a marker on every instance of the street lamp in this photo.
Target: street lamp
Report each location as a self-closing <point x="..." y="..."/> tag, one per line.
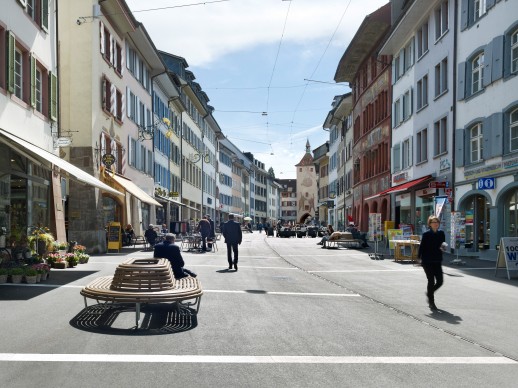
<point x="147" y="132"/>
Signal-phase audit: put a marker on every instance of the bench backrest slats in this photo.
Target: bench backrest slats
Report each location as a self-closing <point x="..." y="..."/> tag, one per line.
<point x="143" y="275"/>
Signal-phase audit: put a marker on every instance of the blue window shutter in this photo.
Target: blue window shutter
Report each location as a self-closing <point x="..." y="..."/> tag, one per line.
<point x="507" y="56"/>
<point x="464" y="14"/>
<point x="497" y="70"/>
<point x="487" y="134"/>
<point x="459" y="147"/>
<point x="467" y="147"/>
<point x="506" y="135"/>
<point x="497" y="129"/>
<point x="488" y="64"/>
<point x="490" y="4"/>
<point x="461" y="81"/>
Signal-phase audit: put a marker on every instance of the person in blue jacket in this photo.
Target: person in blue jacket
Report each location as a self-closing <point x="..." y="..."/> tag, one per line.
<point x="430" y="253"/>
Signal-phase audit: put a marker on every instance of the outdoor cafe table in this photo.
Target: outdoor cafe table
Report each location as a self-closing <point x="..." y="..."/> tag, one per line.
<point x="399" y="248"/>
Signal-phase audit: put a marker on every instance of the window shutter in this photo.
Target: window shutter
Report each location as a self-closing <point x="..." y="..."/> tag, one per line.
<point x="113" y="100"/>
<point x="101" y="34"/>
<point x="497" y="70"/>
<point x="459" y="147"/>
<point x="461" y="81"/>
<point x="493" y="129"/>
<point x="507" y="56"/>
<point x="464" y="14"/>
<point x="488" y="65"/>
<point x="53" y="106"/>
<point x="128" y="102"/>
<point x="112" y="51"/>
<point x="11" y="47"/>
<point x="393" y="72"/>
<point x="33" y="81"/>
<point x="122" y="59"/>
<point x="45" y="15"/>
<point x="490" y="4"/>
<point x="123" y="106"/>
<point x="410" y="151"/>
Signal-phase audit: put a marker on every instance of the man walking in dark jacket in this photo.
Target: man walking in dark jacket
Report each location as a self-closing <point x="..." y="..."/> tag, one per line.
<point x="233" y="237"/>
<point x="204" y="229"/>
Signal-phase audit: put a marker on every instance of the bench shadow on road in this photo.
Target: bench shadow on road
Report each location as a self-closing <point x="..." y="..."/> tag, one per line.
<point x="119" y="319"/>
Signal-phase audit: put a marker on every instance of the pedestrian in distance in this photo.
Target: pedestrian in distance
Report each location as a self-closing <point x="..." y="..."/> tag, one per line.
<point x="212" y="234"/>
<point x="204" y="229"/>
<point x="151" y="235"/>
<point x="170" y="251"/>
<point x="233" y="237"/>
<point x="430" y="252"/>
<point x="328" y="234"/>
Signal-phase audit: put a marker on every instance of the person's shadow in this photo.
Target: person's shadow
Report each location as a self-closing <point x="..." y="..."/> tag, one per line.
<point x="443" y="315"/>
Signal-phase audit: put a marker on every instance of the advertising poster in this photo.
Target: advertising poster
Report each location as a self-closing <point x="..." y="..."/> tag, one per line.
<point x="392" y="233"/>
<point x="375" y="233"/>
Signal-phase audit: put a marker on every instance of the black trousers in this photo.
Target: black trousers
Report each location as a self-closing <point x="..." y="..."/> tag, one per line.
<point x="232" y="248"/>
<point x="433" y="273"/>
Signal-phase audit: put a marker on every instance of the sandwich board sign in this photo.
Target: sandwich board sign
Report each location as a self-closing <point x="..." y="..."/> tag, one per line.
<point x="507" y="255"/>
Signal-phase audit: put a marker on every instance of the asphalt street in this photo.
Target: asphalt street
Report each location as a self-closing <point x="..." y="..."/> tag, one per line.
<point x="293" y="315"/>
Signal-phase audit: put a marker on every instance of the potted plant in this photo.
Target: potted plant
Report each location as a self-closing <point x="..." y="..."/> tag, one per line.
<point x="16" y="275"/>
<point x="41" y="241"/>
<point x="42" y="269"/>
<point x="30" y="275"/>
<point x="3" y="275"/>
<point x="71" y="260"/>
<point x="61" y="247"/>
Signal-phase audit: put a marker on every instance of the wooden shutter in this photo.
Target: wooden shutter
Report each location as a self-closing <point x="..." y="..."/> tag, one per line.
<point x="33" y="81"/>
<point x="497" y="70"/>
<point x="461" y="81"/>
<point x="101" y="35"/>
<point x="53" y="106"/>
<point x="459" y="147"/>
<point x="11" y="47"/>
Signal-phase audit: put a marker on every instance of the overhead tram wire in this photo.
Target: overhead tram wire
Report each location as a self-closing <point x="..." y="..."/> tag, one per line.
<point x="274" y="66"/>
<point x="318" y="63"/>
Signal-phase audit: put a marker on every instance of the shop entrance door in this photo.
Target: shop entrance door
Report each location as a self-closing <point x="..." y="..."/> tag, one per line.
<point x="477" y="223"/>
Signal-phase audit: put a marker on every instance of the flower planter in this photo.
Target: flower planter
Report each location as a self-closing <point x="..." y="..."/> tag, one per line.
<point x="59" y="265"/>
<point x="3" y="279"/>
<point x="16" y="278"/>
<point x="30" y="279"/>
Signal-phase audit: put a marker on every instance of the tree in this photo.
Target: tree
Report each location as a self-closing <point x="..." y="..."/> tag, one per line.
<point x="271" y="172"/>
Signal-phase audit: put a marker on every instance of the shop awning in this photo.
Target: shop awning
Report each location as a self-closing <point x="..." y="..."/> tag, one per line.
<point x="134" y="190"/>
<point x="400" y="188"/>
<point x="39" y="153"/>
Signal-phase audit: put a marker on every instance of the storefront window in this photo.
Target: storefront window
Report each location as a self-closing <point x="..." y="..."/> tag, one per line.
<point x="405" y="213"/>
<point x="145" y="215"/>
<point x="511" y="217"/>
<point x="424" y="207"/>
<point x="476" y="212"/>
<point x="110" y="210"/>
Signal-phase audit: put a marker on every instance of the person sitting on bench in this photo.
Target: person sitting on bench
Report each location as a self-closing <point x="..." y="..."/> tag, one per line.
<point x="150" y="234"/>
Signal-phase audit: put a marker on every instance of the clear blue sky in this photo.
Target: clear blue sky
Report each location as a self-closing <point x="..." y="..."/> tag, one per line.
<point x="254" y="56"/>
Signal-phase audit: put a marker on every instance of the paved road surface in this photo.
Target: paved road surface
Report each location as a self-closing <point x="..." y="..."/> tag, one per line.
<point x="294" y="315"/>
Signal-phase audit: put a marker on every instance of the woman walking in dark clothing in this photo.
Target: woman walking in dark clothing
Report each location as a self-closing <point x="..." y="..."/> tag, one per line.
<point x="430" y="253"/>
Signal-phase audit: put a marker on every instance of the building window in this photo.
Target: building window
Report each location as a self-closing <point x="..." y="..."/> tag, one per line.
<point x="422" y="40"/>
<point x="479" y="9"/>
<point x="396" y="158"/>
<point x="422" y="92"/>
<point x="38" y="95"/>
<point x="397" y="113"/>
<point x="441" y="77"/>
<point x="476" y="73"/>
<point x="422" y="146"/>
<point x="406" y="155"/>
<point x="18" y="74"/>
<point x="441" y="20"/>
<point x="407" y="105"/>
<point x="440" y="132"/>
<point x="513" y="123"/>
<point x="475" y="140"/>
<point x="514" y="52"/>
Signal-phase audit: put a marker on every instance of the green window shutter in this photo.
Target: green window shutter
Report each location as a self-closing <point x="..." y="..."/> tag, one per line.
<point x="11" y="46"/>
<point x="33" y="81"/>
<point x="53" y="93"/>
<point x="45" y="15"/>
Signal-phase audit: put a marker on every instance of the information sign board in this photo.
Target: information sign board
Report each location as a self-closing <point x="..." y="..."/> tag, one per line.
<point x="114" y="236"/>
<point x="507" y="255"/>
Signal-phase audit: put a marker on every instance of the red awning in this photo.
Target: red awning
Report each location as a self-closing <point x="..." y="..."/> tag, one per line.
<point x="404" y="187"/>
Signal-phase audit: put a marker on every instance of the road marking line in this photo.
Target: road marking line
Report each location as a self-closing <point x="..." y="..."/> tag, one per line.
<point x="369" y="270"/>
<point x="258" y="292"/>
<point x="166" y="358"/>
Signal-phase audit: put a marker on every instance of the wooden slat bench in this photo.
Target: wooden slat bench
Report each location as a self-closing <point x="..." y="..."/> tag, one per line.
<point x="145" y="281"/>
<point x="345" y="239"/>
<point x="139" y="240"/>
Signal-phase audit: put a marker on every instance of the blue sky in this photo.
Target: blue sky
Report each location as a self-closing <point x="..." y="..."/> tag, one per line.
<point x="254" y="56"/>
